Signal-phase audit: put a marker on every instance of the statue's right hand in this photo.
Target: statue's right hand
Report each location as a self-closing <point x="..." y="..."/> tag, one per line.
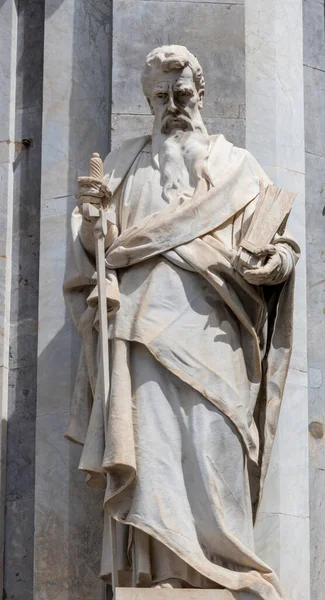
<point x="89" y="192"/>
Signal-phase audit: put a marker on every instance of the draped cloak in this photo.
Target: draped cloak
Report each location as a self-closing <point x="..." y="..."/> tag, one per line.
<point x="177" y="305"/>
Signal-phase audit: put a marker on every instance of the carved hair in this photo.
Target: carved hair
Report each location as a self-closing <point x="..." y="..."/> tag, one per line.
<point x="170" y="58"/>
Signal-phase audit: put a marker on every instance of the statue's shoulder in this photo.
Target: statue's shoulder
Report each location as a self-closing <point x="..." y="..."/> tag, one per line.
<point x="223" y="153"/>
<point x="219" y="143"/>
<point x="118" y="162"/>
<point x="129" y="146"/>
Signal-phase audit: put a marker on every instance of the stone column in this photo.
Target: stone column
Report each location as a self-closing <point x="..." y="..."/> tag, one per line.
<point x="314" y="72"/>
<point x="76" y="122"/>
<point x="275" y="135"/>
<point x="8" y="45"/>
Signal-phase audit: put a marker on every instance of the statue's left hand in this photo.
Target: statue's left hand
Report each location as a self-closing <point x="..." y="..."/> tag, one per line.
<point x="269" y="274"/>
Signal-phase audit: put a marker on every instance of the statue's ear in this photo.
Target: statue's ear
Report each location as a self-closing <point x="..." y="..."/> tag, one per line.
<point x="151" y="109"/>
<point x="201" y="96"/>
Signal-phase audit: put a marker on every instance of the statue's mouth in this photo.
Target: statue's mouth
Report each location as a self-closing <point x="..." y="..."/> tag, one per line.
<point x="172" y="122"/>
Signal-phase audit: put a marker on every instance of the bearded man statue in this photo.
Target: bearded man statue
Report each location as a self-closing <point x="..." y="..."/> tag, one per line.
<point x="198" y="348"/>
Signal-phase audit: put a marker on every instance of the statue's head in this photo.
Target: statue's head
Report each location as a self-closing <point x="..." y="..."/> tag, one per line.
<point x="173" y="83"/>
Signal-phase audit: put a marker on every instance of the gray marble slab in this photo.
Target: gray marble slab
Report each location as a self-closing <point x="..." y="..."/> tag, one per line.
<point x="156" y="23"/>
<point x="314" y="39"/>
<point x="315" y="218"/>
<point x="68" y="519"/>
<point x="8" y="54"/>
<point x="128" y="126"/>
<point x="76" y="92"/>
<point x="76" y="122"/>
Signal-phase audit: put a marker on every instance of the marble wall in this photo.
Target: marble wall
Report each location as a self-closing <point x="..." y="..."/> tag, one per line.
<point x="275" y="135"/>
<point x="76" y="121"/>
<point x="20" y="498"/>
<point x="8" y="45"/>
<point x="314" y="75"/>
<point x="213" y="31"/>
<point x="55" y="80"/>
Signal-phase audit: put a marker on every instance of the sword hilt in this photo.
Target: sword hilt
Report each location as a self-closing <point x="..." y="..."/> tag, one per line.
<point x="96" y="169"/>
<point x="92" y="185"/>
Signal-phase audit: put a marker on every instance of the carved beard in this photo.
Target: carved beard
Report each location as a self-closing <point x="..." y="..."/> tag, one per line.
<point x="183" y="159"/>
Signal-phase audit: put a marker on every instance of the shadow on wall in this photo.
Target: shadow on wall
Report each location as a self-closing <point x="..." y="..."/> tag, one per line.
<point x="62" y="555"/>
<point x="49" y="10"/>
<point x="89" y="131"/>
<point x="52" y="7"/>
<point x="68" y="514"/>
<point x="20" y="472"/>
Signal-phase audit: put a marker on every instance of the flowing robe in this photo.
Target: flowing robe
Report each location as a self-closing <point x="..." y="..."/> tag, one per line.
<point x="198" y="361"/>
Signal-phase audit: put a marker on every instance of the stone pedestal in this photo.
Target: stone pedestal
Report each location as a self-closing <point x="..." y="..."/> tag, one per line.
<point x="175" y="594"/>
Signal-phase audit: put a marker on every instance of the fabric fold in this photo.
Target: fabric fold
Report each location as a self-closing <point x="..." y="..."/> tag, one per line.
<point x="198" y="362"/>
<point x="184" y="220"/>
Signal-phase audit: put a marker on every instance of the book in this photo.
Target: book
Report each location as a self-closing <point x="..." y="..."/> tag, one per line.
<point x="270" y="217"/>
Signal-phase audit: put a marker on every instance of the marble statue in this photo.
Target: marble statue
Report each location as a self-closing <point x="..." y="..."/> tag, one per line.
<point x="198" y="342"/>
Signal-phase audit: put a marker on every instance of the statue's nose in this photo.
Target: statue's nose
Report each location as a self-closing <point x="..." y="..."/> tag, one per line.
<point x="171" y="104"/>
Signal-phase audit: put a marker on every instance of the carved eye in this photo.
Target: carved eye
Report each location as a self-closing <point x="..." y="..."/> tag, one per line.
<point x="183" y="94"/>
<point x="161" y="95"/>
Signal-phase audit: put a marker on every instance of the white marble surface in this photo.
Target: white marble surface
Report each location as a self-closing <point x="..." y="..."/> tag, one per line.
<point x="276" y="536"/>
<point x="315" y="123"/>
<point x="287" y="473"/>
<point x="275" y="135"/>
<point x="3" y="455"/>
<point x="274" y="83"/>
<point x="8" y="40"/>
<point x="68" y="515"/>
<point x="8" y="44"/>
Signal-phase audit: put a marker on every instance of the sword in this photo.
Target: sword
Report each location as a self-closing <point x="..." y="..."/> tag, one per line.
<point x="94" y="211"/>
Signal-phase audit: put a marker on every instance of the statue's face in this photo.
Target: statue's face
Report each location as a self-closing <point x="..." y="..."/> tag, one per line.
<point x="175" y="101"/>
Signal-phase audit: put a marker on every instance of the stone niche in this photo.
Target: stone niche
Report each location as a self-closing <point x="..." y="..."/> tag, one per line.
<point x="90" y="57"/>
